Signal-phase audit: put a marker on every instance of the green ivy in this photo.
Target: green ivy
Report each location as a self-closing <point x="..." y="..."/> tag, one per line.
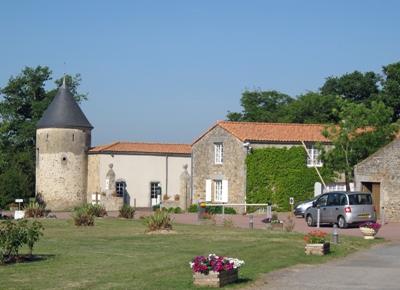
<point x="274" y="175"/>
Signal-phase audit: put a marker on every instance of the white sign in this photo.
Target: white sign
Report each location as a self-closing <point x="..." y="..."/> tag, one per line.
<point x="19" y="214"/>
<point x="19" y="200"/>
<point x="291" y="200"/>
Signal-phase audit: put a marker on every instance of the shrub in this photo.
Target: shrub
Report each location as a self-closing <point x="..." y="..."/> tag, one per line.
<point x="218" y="210"/>
<point x="34" y="210"/>
<point x="126" y="211"/>
<point x="97" y="210"/>
<point x="193" y="208"/>
<point x="207" y="216"/>
<point x="82" y="216"/>
<point x="228" y="223"/>
<point x="171" y="210"/>
<point x="289" y="225"/>
<point x="14" y="235"/>
<point x="178" y="210"/>
<point x="158" y="221"/>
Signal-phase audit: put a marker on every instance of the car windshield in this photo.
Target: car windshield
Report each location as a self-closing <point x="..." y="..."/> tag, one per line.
<point x="360" y="199"/>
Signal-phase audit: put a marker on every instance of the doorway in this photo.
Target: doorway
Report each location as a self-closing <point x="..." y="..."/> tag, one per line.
<point x="375" y="189"/>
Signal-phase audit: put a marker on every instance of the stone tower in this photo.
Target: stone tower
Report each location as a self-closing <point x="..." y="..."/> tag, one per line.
<point x="63" y="138"/>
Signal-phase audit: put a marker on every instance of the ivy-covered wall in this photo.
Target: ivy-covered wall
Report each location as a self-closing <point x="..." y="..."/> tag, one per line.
<point x="274" y="175"/>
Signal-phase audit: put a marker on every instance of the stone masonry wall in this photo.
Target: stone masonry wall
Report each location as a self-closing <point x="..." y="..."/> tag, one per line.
<point x="232" y="169"/>
<point x="93" y="181"/>
<point x="61" y="167"/>
<point x="383" y="167"/>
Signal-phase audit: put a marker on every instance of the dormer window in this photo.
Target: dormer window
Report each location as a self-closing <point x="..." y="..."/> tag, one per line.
<point x="219" y="152"/>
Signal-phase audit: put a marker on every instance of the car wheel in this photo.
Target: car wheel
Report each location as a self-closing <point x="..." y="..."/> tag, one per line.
<point x="310" y="221"/>
<point x="342" y="222"/>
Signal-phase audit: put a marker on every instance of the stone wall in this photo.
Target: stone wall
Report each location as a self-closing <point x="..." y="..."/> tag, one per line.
<point x="111" y="203"/>
<point x="61" y="167"/>
<point x="383" y="167"/>
<point x="233" y="167"/>
<point x="93" y="179"/>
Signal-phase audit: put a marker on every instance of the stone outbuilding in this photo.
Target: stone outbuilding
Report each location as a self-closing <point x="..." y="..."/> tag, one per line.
<point x="63" y="138"/>
<point x="380" y="175"/>
<point x="218" y="156"/>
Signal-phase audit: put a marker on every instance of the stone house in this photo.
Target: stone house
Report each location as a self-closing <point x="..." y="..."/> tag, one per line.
<point x="139" y="169"/>
<point x="218" y="155"/>
<point x="380" y="175"/>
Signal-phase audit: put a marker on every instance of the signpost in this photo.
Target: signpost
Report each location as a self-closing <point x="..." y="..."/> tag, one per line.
<point x="291" y="201"/>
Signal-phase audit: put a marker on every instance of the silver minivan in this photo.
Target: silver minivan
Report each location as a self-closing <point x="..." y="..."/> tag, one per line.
<point x="342" y="208"/>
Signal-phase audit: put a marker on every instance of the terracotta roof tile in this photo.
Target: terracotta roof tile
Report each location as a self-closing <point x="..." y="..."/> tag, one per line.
<point x="139" y="147"/>
<point x="274" y="132"/>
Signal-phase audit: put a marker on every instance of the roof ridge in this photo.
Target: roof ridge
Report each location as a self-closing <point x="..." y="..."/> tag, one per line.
<point x="164" y="143"/>
<point x="268" y="123"/>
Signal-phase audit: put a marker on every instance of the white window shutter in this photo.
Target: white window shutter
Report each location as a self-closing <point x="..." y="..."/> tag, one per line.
<point x="224" y="190"/>
<point x="208" y="190"/>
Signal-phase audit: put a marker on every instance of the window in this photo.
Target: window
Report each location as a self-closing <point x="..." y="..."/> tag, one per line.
<point x="219" y="153"/>
<point x="313" y="153"/>
<point x="120" y="188"/>
<point x="218" y="190"/>
<point x="153" y="192"/>
<point x="322" y="200"/>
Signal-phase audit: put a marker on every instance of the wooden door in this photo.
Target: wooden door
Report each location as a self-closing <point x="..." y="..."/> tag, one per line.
<point x="376" y="195"/>
<point x="375" y="190"/>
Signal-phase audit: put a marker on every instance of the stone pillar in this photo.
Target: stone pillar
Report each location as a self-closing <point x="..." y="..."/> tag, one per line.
<point x="110" y="180"/>
<point x="185" y="188"/>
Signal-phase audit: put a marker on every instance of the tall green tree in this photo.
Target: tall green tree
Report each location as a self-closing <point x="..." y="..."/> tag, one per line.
<point x="360" y="132"/>
<point x="313" y="108"/>
<point x="258" y="106"/>
<point x="390" y="93"/>
<point x="356" y="87"/>
<point x="24" y="100"/>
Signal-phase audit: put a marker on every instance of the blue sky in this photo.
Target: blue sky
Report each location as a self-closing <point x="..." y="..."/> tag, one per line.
<point x="166" y="71"/>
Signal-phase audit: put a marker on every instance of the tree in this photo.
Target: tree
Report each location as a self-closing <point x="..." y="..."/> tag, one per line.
<point x="24" y="102"/>
<point x="390" y="93"/>
<point x="313" y="108"/>
<point x="360" y="132"/>
<point x="355" y="87"/>
<point x="269" y="106"/>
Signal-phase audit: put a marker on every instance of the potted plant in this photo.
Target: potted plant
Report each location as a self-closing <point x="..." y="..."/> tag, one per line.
<point x="369" y="229"/>
<point x="213" y="270"/>
<point x="316" y="243"/>
<point x="177" y="197"/>
<point x="165" y="197"/>
<point x="207" y="219"/>
<point x="13" y="206"/>
<point x="272" y="222"/>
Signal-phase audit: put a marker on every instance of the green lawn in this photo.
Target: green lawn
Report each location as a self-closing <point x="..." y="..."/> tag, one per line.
<point x="117" y="254"/>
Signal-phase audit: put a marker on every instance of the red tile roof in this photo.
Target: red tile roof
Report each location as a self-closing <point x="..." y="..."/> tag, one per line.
<point x="139" y="147"/>
<point x="275" y="132"/>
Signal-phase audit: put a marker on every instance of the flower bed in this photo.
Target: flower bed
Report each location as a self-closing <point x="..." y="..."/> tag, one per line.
<point x="316" y="243"/>
<point x="214" y="270"/>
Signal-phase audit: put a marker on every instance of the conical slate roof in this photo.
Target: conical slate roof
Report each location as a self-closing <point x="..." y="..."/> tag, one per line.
<point x="63" y="112"/>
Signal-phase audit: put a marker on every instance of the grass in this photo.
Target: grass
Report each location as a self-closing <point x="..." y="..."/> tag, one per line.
<point x="117" y="254"/>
